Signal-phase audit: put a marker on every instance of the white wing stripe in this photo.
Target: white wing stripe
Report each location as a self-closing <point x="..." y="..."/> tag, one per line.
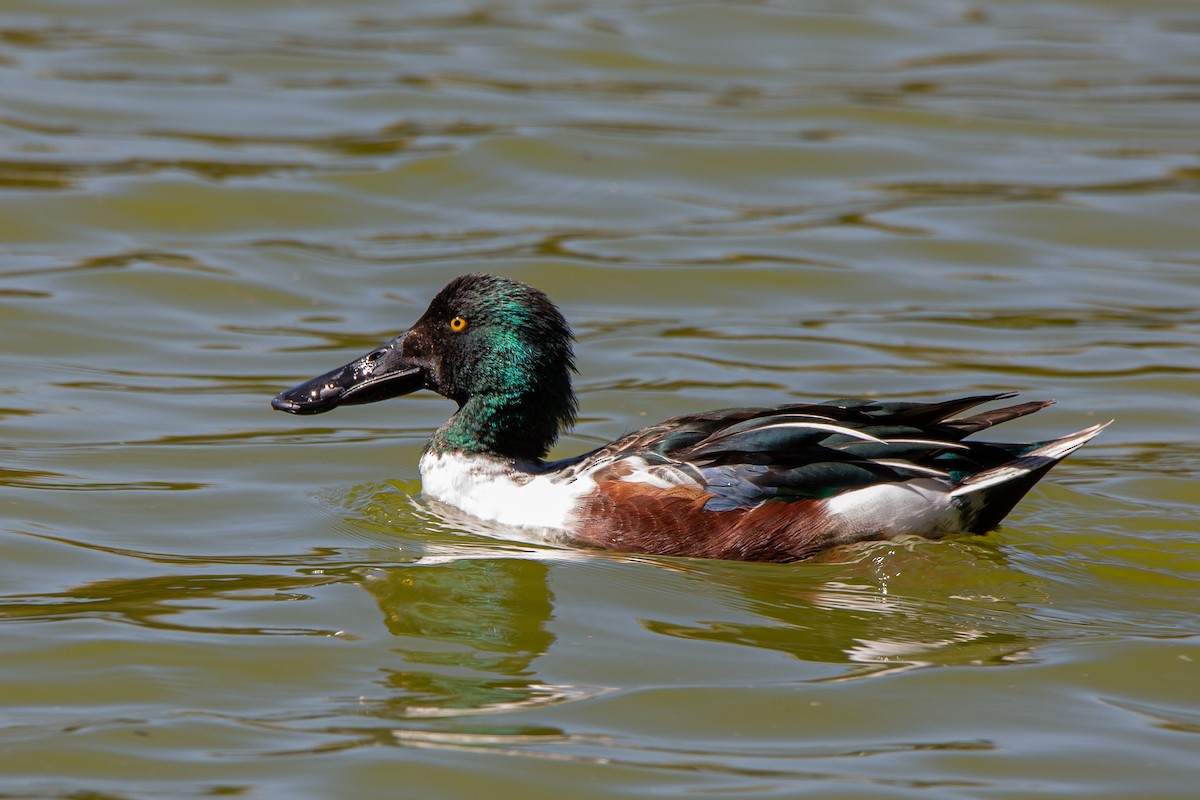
<point x="818" y="426"/>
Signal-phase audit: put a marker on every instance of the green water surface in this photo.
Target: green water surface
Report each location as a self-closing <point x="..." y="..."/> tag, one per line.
<point x="203" y="202"/>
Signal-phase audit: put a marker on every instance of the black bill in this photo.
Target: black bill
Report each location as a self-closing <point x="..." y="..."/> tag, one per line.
<point x="380" y="374"/>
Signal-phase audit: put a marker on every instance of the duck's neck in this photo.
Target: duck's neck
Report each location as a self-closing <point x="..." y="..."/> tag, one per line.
<point x="517" y="426"/>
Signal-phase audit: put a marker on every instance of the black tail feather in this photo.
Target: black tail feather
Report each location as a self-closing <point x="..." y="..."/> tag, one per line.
<point x="994" y="492"/>
<point x="986" y="419"/>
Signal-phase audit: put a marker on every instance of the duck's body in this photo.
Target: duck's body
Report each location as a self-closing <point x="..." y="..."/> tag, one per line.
<point x="765" y="484"/>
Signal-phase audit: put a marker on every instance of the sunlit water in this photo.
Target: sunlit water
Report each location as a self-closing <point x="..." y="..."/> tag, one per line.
<point x="735" y="203"/>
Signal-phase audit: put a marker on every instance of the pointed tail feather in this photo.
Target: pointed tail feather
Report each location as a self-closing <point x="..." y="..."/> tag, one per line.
<point x="995" y="491"/>
<point x="986" y="419"/>
<point x="928" y="413"/>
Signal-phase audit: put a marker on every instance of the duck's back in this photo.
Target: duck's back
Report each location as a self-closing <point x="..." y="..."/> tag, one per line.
<point x="785" y="482"/>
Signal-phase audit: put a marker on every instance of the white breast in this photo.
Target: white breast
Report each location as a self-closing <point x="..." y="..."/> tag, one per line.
<point x="502" y="492"/>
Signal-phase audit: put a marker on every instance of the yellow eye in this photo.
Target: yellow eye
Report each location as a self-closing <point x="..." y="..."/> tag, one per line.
<point x="458" y="324"/>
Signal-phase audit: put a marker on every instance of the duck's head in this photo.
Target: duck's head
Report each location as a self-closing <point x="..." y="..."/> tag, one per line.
<point x="498" y="348"/>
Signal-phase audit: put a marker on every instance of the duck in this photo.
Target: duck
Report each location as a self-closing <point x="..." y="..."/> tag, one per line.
<point x="779" y="483"/>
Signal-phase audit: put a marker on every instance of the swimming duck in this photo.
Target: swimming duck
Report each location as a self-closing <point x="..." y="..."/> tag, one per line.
<point x="779" y="483"/>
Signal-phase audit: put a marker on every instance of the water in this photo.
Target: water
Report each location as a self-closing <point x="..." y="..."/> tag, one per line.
<point x="735" y="203"/>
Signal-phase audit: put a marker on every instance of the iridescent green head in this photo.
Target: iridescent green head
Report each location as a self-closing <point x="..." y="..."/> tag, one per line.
<point x="498" y="348"/>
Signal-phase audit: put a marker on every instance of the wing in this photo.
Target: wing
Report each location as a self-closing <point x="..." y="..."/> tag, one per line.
<point x="746" y="456"/>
